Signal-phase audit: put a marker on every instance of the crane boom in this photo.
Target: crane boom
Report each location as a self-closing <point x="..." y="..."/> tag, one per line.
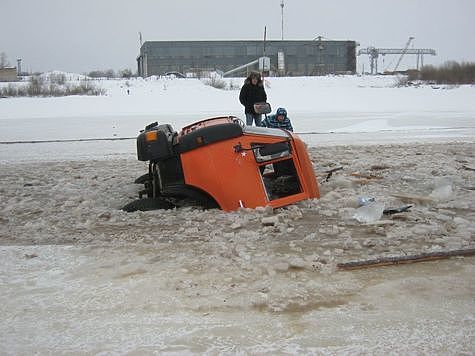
<point x="403" y="52"/>
<point x="374" y="53"/>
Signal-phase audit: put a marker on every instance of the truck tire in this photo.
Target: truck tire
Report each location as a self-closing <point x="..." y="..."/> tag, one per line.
<point x="147" y="204"/>
<point x="142" y="179"/>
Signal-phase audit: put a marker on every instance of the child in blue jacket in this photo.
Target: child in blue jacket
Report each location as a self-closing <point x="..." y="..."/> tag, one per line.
<point x="278" y="121"/>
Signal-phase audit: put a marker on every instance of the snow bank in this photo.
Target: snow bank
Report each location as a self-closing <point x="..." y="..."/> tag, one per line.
<point x="338" y="94"/>
<point x="321" y="105"/>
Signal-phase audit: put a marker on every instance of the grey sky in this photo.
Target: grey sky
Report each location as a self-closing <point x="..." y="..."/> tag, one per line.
<point x="80" y="36"/>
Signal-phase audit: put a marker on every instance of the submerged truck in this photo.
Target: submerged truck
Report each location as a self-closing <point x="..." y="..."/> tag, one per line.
<point x="221" y="163"/>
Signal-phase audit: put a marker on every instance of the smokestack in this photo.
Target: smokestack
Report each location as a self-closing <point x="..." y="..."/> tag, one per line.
<point x="18" y="67"/>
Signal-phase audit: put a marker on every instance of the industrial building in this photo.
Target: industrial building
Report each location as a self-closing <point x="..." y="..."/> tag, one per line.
<point x="8" y="74"/>
<point x="289" y="58"/>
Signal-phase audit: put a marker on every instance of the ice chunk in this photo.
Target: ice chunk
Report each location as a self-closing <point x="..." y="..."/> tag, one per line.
<point x="270" y="221"/>
<point x="442" y="189"/>
<point x="442" y="193"/>
<point x="369" y="213"/>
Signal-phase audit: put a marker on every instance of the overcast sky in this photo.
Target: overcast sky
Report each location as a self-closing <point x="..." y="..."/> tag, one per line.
<point x="84" y="35"/>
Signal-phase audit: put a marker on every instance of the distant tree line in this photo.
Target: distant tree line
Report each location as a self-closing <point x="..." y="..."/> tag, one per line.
<point x="54" y="85"/>
<point x="107" y="73"/>
<point x="448" y="73"/>
<point x="110" y="73"/>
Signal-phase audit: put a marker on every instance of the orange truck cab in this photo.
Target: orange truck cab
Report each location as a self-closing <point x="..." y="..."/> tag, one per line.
<point x="219" y="162"/>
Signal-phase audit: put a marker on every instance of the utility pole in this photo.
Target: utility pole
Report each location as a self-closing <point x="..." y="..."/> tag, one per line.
<point x="264" y="43"/>
<point x="282" y="17"/>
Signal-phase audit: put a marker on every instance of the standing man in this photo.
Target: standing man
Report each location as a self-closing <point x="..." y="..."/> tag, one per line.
<point x="252" y="92"/>
<point x="278" y="121"/>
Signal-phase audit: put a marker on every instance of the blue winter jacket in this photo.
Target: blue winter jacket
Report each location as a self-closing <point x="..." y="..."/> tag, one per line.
<point x="272" y="121"/>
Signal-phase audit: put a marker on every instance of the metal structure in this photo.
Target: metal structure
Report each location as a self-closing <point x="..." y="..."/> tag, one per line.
<point x="290" y="58"/>
<point x="282" y="17"/>
<point x="374" y="53"/>
<point x="264" y="65"/>
<point x="403" y="53"/>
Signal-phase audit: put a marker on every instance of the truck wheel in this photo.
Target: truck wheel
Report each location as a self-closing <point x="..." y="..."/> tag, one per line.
<point x="147" y="204"/>
<point x="142" y="179"/>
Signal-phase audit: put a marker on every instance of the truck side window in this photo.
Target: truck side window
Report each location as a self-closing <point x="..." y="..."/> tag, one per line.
<point x="280" y="179"/>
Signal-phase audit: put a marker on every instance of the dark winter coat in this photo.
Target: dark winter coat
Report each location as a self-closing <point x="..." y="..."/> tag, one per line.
<point x="272" y="121"/>
<point x="251" y="94"/>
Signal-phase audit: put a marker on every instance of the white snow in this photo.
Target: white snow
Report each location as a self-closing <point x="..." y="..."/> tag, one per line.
<point x="326" y="110"/>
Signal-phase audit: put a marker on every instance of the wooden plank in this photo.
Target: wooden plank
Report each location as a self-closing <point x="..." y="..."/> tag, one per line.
<point x="399" y="260"/>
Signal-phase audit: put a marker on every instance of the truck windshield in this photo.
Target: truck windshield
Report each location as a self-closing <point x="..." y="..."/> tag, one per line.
<point x="265" y="131"/>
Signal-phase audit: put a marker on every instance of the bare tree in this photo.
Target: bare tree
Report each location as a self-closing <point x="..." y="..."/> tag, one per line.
<point x="448" y="73"/>
<point x="109" y="73"/>
<point x="126" y="73"/>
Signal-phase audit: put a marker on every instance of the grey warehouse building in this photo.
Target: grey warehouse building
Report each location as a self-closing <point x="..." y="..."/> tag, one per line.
<point x="290" y="58"/>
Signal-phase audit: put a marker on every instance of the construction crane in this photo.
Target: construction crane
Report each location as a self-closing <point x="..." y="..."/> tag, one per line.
<point x="374" y="53"/>
<point x="403" y="53"/>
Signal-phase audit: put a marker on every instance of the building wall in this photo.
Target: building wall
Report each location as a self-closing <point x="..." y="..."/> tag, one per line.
<point x="8" y="74"/>
<point x="300" y="57"/>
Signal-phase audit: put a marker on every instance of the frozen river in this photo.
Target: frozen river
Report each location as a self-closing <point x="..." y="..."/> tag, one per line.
<point x="147" y="298"/>
<point x="116" y="135"/>
<point x="77" y="275"/>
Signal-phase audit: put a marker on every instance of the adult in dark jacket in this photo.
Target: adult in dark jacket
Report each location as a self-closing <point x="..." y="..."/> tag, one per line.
<point x="278" y="121"/>
<point x="252" y="92"/>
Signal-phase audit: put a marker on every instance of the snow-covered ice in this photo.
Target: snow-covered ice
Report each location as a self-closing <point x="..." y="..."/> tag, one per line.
<point x="78" y="275"/>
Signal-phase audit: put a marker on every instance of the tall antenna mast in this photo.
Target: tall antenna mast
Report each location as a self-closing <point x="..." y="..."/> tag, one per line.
<point x="264" y="43"/>
<point x="282" y="17"/>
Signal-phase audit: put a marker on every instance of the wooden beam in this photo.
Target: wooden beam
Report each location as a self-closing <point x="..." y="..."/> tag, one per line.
<point x="399" y="260"/>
